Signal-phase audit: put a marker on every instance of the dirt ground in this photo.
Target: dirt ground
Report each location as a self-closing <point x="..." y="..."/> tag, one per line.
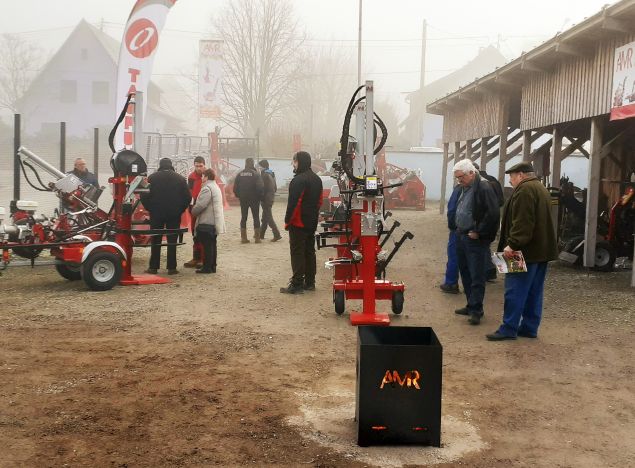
<point x="224" y="370"/>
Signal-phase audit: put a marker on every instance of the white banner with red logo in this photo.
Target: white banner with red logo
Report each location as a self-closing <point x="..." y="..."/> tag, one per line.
<point x="210" y="78"/>
<point x="623" y="104"/>
<point x="136" y="56"/>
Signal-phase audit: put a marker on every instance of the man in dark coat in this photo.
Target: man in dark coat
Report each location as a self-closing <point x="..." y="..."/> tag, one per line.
<point x="527" y="227"/>
<point x="248" y="189"/>
<point x="476" y="220"/>
<point x="303" y="210"/>
<point x="166" y="201"/>
<point x="269" y="191"/>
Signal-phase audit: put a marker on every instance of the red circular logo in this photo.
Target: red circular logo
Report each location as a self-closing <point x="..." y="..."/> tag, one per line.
<point x="142" y="38"/>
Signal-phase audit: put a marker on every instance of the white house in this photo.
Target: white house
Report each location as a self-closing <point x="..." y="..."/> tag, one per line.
<point x="78" y="86"/>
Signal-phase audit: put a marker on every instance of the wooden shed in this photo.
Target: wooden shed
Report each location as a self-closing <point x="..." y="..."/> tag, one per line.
<point x="548" y="103"/>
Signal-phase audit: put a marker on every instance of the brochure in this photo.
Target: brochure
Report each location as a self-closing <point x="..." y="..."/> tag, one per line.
<point x="516" y="264"/>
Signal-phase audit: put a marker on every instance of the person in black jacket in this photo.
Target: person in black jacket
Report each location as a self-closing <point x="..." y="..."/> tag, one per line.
<point x="166" y="201"/>
<point x="269" y="191"/>
<point x="248" y="189"/>
<point x="477" y="220"/>
<point x="301" y="218"/>
<point x="498" y="190"/>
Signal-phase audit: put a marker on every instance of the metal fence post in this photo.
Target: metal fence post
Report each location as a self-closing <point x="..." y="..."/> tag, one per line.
<point x="63" y="146"/>
<point x="16" y="157"/>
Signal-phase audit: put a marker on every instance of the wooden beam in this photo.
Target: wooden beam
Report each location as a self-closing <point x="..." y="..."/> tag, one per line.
<point x="555" y="170"/>
<point x="615" y="25"/>
<point x="570" y="50"/>
<point x="444" y="177"/>
<point x="593" y="189"/>
<point x="576" y="143"/>
<point x="507" y="83"/>
<point x="529" y="66"/>
<point x="483" y="162"/>
<point x="526" y="145"/>
<point x="457" y="151"/>
<point x="468" y="149"/>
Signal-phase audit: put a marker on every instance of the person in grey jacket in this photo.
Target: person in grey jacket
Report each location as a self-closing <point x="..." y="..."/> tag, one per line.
<point x="210" y="219"/>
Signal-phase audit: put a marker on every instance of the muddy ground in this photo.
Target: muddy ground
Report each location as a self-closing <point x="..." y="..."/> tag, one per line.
<point x="223" y="370"/>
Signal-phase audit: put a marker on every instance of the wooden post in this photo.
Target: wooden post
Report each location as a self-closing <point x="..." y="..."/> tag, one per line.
<point x="457" y="152"/>
<point x="554" y="170"/>
<point x="483" y="161"/>
<point x="444" y="177"/>
<point x="527" y="145"/>
<point x="502" y="156"/>
<point x="468" y="149"/>
<point x="593" y="188"/>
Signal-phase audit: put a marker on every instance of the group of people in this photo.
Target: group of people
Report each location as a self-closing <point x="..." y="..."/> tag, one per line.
<point x="526" y="228"/>
<point x="170" y="195"/>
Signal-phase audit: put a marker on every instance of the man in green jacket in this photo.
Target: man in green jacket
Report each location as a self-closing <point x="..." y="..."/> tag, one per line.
<point x="527" y="227"/>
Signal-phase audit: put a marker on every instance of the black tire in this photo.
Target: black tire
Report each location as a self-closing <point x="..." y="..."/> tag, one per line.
<point x="604" y="256"/>
<point x="340" y="302"/>
<point x="24" y="252"/>
<point x="397" y="302"/>
<point x="71" y="273"/>
<point x="102" y="270"/>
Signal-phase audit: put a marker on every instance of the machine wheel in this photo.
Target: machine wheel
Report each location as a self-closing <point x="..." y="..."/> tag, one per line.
<point x="25" y="252"/>
<point x="339" y="300"/>
<point x="102" y="270"/>
<point x="71" y="273"/>
<point x="604" y="256"/>
<point x="397" y="302"/>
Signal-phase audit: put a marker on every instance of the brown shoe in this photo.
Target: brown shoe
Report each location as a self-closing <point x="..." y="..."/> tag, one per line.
<point x="194" y="263"/>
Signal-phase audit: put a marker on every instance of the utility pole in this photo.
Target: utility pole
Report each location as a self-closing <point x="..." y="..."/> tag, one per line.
<point x="359" y="47"/>
<point x="422" y="80"/>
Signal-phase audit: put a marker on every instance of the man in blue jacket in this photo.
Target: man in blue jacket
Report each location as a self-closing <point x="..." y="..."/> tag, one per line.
<point x="451" y="283"/>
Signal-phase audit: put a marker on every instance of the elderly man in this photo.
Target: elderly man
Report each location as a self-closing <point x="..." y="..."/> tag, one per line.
<point x="79" y="169"/>
<point x="527" y="227"/>
<point x="476" y="220"/>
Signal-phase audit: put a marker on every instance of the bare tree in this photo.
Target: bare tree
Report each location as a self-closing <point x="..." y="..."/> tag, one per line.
<point x="261" y="43"/>
<point x="19" y="62"/>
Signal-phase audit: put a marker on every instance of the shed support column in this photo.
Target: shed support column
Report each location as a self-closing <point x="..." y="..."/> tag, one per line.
<point x="527" y="145"/>
<point x="468" y="149"/>
<point x="593" y="187"/>
<point x="502" y="156"/>
<point x="556" y="160"/>
<point x="444" y="177"/>
<point x="483" y="161"/>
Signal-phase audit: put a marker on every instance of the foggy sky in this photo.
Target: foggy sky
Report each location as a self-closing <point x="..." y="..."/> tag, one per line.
<point x="391" y="30"/>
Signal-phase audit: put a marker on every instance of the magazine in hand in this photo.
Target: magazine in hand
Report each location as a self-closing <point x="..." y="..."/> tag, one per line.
<point x="516" y="264"/>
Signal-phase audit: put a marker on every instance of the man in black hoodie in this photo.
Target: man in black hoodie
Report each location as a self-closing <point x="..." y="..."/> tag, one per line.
<point x="168" y="198"/>
<point x="303" y="210"/>
<point x="269" y="192"/>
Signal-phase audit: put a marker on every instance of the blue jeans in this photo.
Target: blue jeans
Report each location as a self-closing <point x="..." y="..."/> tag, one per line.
<point x="523" y="300"/>
<point x="452" y="267"/>
<point x="473" y="258"/>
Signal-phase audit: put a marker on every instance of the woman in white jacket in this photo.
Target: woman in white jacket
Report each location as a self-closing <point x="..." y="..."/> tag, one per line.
<point x="210" y="219"/>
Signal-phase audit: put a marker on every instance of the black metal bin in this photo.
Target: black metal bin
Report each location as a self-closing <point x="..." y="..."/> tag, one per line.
<point x="398" y="395"/>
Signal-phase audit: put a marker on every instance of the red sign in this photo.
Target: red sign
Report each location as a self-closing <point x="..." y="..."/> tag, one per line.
<point x="142" y="38"/>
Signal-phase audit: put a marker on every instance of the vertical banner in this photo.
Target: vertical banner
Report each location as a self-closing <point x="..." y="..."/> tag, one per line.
<point x="623" y="104"/>
<point x="136" y="56"/>
<point x="210" y="79"/>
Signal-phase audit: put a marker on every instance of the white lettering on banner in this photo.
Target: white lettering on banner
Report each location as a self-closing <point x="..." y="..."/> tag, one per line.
<point x="128" y="123"/>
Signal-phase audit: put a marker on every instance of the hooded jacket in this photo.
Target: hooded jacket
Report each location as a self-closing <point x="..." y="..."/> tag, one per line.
<point x="248" y="183"/>
<point x="169" y="196"/>
<point x="305" y="196"/>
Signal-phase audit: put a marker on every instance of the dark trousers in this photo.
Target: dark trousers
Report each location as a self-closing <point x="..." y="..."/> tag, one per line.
<point x="452" y="267"/>
<point x="473" y="258"/>
<point x="267" y="220"/>
<point x="245" y="206"/>
<point x="302" y="246"/>
<point x="159" y="222"/>
<point x="208" y="241"/>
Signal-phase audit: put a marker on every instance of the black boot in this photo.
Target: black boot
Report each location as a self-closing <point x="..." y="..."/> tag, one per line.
<point x="292" y="289"/>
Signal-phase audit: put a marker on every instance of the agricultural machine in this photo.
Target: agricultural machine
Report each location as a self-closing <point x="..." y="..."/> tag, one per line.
<point x="615" y="228"/>
<point x="358" y="223"/>
<point x="87" y="242"/>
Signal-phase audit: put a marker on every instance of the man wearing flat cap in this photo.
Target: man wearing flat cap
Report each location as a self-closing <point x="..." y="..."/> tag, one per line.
<point x="526" y="227"/>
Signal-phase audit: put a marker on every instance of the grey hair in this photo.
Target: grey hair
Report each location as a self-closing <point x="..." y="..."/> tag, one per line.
<point x="465" y="166"/>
